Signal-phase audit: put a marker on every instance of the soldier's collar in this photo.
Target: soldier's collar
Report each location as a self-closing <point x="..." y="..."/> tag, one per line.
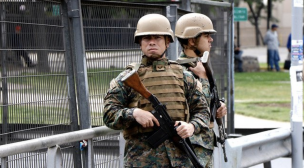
<point x="183" y="55"/>
<point x="146" y="61"/>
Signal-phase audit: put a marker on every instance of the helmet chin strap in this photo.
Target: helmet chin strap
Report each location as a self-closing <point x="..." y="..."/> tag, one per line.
<point x="160" y="55"/>
<point x="197" y="52"/>
<point x="163" y="53"/>
<point x="165" y="49"/>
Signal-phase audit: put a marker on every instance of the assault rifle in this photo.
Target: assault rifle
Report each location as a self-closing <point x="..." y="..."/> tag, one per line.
<point x="167" y="130"/>
<point x="215" y="101"/>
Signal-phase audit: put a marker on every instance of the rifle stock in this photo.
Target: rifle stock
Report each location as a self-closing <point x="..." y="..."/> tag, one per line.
<point x="132" y="80"/>
<point x="167" y="128"/>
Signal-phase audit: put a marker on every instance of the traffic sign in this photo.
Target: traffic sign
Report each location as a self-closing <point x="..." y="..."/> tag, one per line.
<point x="240" y="14"/>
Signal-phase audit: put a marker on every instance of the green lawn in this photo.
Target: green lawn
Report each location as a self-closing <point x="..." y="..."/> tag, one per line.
<point x="259" y="94"/>
<point x="263" y="95"/>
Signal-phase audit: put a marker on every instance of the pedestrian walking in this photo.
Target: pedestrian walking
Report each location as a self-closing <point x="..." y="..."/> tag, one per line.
<point x="272" y="42"/>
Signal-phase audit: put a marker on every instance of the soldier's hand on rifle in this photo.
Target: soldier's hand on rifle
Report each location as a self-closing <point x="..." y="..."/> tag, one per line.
<point x="145" y="118"/>
<point x="222" y="111"/>
<point x="199" y="70"/>
<point x="184" y="130"/>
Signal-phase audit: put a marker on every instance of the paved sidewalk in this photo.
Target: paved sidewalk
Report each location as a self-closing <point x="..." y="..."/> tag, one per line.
<point x="241" y="121"/>
<point x="261" y="53"/>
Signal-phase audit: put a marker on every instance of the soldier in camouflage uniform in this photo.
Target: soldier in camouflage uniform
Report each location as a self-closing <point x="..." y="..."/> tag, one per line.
<point x="127" y="110"/>
<point x="194" y="31"/>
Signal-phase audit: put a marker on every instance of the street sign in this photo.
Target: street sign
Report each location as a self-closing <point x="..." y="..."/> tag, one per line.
<point x="240" y="14"/>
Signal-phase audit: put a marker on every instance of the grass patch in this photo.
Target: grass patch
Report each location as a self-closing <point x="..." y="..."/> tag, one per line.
<point x="270" y="111"/>
<point x="264" y="95"/>
<point x="32" y="115"/>
<point x="42" y="115"/>
<point x="263" y="65"/>
<point x="46" y="84"/>
<point x="99" y="79"/>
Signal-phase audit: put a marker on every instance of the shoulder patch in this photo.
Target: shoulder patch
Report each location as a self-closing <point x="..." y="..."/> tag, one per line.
<point x="131" y="66"/>
<point x="134" y="66"/>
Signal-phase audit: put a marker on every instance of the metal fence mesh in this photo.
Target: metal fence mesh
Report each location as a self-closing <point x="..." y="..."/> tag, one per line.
<point x="109" y="40"/>
<point x="32" y="96"/>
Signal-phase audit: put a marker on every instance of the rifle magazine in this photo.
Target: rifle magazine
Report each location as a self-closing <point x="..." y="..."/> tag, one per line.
<point x="158" y="137"/>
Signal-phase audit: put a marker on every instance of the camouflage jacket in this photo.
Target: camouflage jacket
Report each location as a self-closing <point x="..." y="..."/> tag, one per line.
<point x="138" y="153"/>
<point x="206" y="91"/>
<point x="204" y="82"/>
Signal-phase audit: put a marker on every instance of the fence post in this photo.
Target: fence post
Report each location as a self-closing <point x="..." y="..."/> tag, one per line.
<point x="75" y="13"/>
<point x="54" y="157"/>
<point x="4" y="91"/>
<point x="171" y="14"/>
<point x="230" y="53"/>
<point x="267" y="164"/>
<point x="186" y="5"/>
<point x="122" y="143"/>
<point x="71" y="83"/>
<point x="296" y="81"/>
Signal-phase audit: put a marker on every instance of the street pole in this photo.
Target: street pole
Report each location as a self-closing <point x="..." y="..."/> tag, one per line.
<point x="75" y="15"/>
<point x="296" y="71"/>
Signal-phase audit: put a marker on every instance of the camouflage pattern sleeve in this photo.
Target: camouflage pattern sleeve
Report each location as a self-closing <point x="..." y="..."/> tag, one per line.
<point x="116" y="114"/>
<point x="206" y="89"/>
<point x="198" y="106"/>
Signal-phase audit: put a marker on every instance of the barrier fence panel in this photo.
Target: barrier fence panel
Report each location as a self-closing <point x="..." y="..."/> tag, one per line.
<point x="34" y="88"/>
<point x="109" y="40"/>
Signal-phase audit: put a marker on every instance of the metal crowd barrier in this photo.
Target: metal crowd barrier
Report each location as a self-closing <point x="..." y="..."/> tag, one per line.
<point x="242" y="152"/>
<point x="258" y="148"/>
<point x="54" y="157"/>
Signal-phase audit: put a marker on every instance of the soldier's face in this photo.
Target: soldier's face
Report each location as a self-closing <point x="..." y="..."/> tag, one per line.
<point x="153" y="46"/>
<point x="204" y="42"/>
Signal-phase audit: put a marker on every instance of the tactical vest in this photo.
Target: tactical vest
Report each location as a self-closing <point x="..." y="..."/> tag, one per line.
<point x="165" y="81"/>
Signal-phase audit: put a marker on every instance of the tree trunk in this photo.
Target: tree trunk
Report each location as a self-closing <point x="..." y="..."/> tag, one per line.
<point x="40" y="38"/>
<point x="257" y="32"/>
<point x="254" y="21"/>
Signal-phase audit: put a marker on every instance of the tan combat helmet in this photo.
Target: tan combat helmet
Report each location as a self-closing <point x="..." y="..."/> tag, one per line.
<point x="192" y="24"/>
<point x="153" y="24"/>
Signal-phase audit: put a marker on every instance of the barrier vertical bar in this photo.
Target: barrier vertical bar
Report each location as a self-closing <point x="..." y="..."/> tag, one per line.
<point x="4" y="91"/>
<point x="75" y="13"/>
<point x="54" y="157"/>
<point x="171" y="14"/>
<point x="71" y="83"/>
<point x="186" y="5"/>
<point x="122" y="145"/>
<point x="230" y="53"/>
<point x="296" y="72"/>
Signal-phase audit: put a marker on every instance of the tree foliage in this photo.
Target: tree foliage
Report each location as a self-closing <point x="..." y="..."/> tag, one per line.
<point x="256" y="14"/>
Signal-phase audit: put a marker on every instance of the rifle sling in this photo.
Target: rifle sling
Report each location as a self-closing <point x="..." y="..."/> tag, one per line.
<point x="188" y="60"/>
